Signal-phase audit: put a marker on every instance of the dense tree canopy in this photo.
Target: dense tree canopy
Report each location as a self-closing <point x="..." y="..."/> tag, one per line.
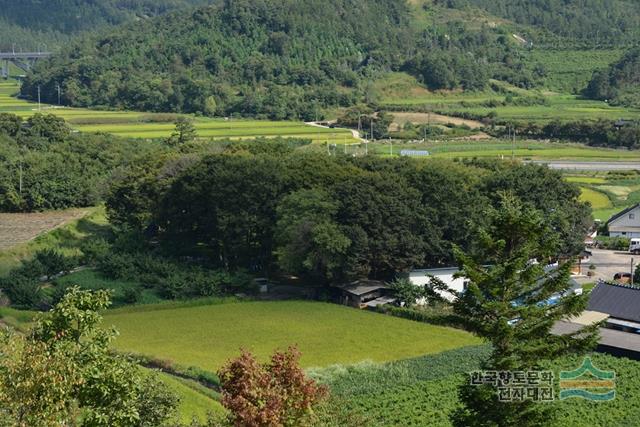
<point x="345" y="218"/>
<point x="594" y="22"/>
<point x="273" y="58"/>
<point x="620" y="83"/>
<point x="30" y="24"/>
<point x="45" y="166"/>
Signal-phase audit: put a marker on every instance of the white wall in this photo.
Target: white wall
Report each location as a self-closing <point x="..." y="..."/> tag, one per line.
<point x="628" y="235"/>
<point x="629" y="219"/>
<point x="422" y="277"/>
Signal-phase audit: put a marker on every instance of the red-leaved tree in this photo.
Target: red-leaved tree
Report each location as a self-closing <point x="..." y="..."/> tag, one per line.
<point x="268" y="395"/>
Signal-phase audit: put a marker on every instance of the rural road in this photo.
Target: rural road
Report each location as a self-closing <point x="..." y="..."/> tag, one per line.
<point x="355" y="133"/>
<point x="609" y="263"/>
<point x="588" y="166"/>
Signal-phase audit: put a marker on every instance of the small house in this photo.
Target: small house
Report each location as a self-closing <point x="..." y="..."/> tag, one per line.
<point x="363" y="293"/>
<point x="625" y="223"/>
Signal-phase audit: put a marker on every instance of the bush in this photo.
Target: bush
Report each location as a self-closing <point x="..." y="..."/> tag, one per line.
<point x="23" y="291"/>
<point x="277" y="393"/>
<point x="53" y="262"/>
<point x="613" y="243"/>
<point x="132" y="295"/>
<point x="170" y="279"/>
<point x="438" y="315"/>
<point x="94" y="250"/>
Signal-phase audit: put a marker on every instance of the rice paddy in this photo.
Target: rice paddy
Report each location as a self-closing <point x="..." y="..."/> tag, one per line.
<point x="398" y="90"/>
<point x="151" y="126"/>
<point x="326" y="334"/>
<point x="608" y="193"/>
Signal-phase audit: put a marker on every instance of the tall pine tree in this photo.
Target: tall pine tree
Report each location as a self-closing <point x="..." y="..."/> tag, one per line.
<point x="506" y="304"/>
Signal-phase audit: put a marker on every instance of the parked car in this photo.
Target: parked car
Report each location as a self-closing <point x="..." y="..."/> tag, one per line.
<point x="622" y="277"/>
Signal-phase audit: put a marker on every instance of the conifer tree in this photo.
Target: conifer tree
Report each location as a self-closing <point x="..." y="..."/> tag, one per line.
<point x="507" y="303"/>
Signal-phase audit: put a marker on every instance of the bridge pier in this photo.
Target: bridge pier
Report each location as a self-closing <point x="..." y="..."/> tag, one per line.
<point x="22" y="60"/>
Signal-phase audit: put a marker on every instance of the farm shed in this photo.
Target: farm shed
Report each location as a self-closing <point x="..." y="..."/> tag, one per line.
<point x="363" y="293"/>
<point x="626" y="223"/>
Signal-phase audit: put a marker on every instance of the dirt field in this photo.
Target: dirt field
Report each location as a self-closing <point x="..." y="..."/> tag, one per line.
<point x="438" y="119"/>
<point x="16" y="229"/>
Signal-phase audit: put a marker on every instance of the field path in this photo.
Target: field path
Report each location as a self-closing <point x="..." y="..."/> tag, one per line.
<point x="437" y="119"/>
<point x="16" y="229"/>
<point x="355" y="133"/>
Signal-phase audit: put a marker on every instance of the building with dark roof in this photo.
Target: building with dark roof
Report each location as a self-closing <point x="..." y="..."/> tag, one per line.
<point x="618" y="301"/>
<point x="618" y="308"/>
<point x="625" y="223"/>
<point x="363" y="293"/>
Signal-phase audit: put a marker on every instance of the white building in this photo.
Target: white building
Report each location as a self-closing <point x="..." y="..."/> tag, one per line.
<point x="626" y="223"/>
<point x="446" y="275"/>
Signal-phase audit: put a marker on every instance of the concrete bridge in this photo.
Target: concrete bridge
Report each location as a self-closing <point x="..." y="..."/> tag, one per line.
<point x="22" y="60"/>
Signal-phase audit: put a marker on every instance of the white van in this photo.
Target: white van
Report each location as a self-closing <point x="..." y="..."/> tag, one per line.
<point x="634" y="247"/>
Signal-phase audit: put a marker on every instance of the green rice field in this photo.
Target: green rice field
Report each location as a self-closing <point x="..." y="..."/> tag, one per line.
<point x="608" y="193"/>
<point x="397" y="90"/>
<point x="151" y="126"/>
<point x="497" y="149"/>
<point x="326" y="334"/>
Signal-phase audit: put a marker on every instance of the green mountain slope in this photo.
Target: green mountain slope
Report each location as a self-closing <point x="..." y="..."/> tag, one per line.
<point x="291" y="58"/>
<point x="36" y="23"/>
<point x="282" y="59"/>
<point x="620" y="83"/>
<point x="586" y="22"/>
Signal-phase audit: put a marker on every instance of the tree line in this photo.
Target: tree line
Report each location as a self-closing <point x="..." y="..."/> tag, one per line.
<point x="601" y="133"/>
<point x="267" y="208"/>
<point x="46" y="166"/>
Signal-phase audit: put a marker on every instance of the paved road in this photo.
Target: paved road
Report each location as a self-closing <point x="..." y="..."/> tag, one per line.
<point x="588" y="166"/>
<point x="609" y="263"/>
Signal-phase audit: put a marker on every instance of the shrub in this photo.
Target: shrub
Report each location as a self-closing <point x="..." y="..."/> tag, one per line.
<point x="94" y="250"/>
<point x="132" y="295"/>
<point x="277" y="393"/>
<point x="23" y="291"/>
<point x="613" y="243"/>
<point x="53" y="262"/>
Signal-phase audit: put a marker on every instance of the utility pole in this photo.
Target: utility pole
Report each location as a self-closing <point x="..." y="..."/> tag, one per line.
<point x="20" y="177"/>
<point x="390" y="147"/>
<point x="632" y="272"/>
<point x="59" y="93"/>
<point x="371" y="129"/>
<point x="39" y="107"/>
<point x="513" y="146"/>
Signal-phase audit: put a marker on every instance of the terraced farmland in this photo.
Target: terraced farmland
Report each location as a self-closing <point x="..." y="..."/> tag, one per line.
<point x="608" y="193"/>
<point x="398" y="92"/>
<point x="151" y="126"/>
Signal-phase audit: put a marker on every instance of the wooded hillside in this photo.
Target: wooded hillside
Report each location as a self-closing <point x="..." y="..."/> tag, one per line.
<point x="29" y="24"/>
